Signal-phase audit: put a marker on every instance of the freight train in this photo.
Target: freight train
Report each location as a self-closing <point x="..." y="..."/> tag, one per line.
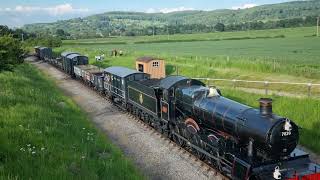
<point x="242" y="142"/>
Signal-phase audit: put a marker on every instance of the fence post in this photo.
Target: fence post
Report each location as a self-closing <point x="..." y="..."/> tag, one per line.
<point x="234" y="83"/>
<point x="208" y="82"/>
<point x="309" y="89"/>
<point x="266" y="85"/>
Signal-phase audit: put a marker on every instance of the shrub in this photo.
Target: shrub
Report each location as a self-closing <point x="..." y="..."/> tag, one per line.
<point x="10" y="52"/>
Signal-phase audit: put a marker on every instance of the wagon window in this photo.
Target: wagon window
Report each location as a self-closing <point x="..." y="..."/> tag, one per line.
<point x="155" y="64"/>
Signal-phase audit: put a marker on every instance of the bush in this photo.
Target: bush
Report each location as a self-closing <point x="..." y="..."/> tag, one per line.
<point x="10" y="52"/>
<point x="47" y="42"/>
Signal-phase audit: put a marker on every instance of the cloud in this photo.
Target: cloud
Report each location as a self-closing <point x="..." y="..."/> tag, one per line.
<point x="61" y="9"/>
<point x="168" y="10"/>
<point x="244" y="6"/>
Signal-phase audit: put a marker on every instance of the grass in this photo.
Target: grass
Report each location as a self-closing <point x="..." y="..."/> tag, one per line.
<point x="277" y="33"/>
<point x="44" y="135"/>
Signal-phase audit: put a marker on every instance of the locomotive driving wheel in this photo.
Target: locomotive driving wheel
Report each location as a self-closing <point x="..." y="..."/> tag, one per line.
<point x="195" y="140"/>
<point x="176" y="138"/>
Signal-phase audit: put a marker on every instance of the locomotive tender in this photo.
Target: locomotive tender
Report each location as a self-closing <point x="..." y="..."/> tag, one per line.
<point x="240" y="141"/>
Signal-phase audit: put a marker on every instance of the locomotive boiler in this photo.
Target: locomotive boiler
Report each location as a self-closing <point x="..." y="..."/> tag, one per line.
<point x="269" y="134"/>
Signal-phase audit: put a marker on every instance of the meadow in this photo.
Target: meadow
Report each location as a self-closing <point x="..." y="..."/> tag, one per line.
<point x="45" y="135"/>
<point x="290" y="55"/>
<point x="267" y="55"/>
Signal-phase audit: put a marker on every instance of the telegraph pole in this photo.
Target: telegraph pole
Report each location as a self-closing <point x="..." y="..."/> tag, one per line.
<point x="318" y="19"/>
<point x="168" y="31"/>
<point x="22" y="38"/>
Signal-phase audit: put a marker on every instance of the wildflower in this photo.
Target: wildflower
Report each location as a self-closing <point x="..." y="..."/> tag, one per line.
<point x="28" y="145"/>
<point x="33" y="152"/>
<point x="83" y="128"/>
<point x="82" y="157"/>
<point x="33" y="147"/>
<point x="22" y="149"/>
<point x="20" y="125"/>
<point x="42" y="149"/>
<point x="29" y="149"/>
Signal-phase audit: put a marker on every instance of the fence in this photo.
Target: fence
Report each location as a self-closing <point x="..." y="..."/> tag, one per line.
<point x="265" y="83"/>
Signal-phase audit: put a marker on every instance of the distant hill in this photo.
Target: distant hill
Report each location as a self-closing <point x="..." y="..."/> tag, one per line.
<point x="289" y="14"/>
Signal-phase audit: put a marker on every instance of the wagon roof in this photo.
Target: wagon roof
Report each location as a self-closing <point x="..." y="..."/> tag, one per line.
<point x="43" y="48"/>
<point x="71" y="56"/>
<point x="121" y="71"/>
<point x="147" y="59"/>
<point x="64" y="54"/>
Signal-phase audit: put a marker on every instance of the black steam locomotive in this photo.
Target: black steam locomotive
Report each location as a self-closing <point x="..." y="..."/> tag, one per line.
<point x="240" y="141"/>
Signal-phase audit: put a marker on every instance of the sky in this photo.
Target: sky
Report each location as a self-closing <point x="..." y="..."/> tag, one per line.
<point x="16" y="13"/>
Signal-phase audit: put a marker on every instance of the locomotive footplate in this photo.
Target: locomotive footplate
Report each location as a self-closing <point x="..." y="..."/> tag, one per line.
<point x="297" y="166"/>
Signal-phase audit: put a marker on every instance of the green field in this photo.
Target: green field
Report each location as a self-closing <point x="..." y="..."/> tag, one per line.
<point x="275" y="55"/>
<point x="44" y="135"/>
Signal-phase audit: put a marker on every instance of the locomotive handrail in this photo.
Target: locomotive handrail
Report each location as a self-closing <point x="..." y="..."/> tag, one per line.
<point x="264" y="82"/>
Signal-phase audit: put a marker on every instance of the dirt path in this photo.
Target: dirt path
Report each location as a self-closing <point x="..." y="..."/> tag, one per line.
<point x="157" y="158"/>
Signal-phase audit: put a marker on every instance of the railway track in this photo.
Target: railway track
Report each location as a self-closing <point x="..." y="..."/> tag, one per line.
<point x="204" y="167"/>
<point x="199" y="165"/>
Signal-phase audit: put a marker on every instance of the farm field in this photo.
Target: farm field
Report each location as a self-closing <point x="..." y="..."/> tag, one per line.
<point x="292" y="56"/>
<point x="44" y="135"/>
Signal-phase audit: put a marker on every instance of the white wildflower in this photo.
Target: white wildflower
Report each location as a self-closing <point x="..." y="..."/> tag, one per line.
<point x="83" y="128"/>
<point x="82" y="157"/>
<point x="22" y="149"/>
<point x="42" y="149"/>
<point x="33" y="152"/>
<point x="28" y="145"/>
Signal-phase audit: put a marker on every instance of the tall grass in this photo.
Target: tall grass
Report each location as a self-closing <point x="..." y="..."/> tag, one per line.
<point x="44" y="135"/>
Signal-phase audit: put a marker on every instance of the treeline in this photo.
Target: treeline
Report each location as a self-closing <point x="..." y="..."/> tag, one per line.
<point x="180" y="28"/>
<point x="14" y="45"/>
<point x="220" y="27"/>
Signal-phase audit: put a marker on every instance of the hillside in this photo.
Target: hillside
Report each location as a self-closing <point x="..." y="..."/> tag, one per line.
<point x="290" y="14"/>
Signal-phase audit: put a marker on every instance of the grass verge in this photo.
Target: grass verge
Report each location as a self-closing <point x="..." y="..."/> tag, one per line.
<point x="44" y="135"/>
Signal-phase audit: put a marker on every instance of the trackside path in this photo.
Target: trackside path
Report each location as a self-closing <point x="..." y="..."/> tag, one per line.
<point x="155" y="156"/>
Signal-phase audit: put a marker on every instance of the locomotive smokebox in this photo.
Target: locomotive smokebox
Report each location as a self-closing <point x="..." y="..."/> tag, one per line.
<point x="265" y="106"/>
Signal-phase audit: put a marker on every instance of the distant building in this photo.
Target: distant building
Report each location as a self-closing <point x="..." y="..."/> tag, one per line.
<point x="153" y="66"/>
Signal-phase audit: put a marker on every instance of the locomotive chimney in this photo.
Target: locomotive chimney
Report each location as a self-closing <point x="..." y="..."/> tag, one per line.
<point x="265" y="106"/>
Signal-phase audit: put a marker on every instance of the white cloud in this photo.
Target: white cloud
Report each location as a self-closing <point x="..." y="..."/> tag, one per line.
<point x="168" y="10"/>
<point x="151" y="10"/>
<point x="54" y="10"/>
<point x="244" y="6"/>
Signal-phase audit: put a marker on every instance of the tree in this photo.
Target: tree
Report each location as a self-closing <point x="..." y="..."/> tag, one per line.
<point x="60" y="32"/>
<point x="10" y="52"/>
<point x="4" y="30"/>
<point x="219" y="27"/>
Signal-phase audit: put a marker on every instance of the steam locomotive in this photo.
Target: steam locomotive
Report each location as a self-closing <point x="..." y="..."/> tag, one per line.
<point x="242" y="142"/>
